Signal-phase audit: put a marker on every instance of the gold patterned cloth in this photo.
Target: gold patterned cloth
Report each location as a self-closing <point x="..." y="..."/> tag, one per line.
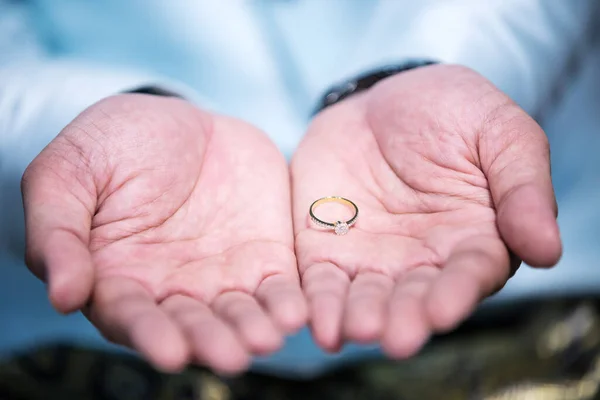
<point x="548" y="351"/>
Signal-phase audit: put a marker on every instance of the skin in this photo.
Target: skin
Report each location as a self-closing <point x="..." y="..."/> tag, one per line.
<point x="452" y="180"/>
<point x="166" y="224"/>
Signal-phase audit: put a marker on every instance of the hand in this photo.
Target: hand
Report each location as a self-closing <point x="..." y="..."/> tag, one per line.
<point x="172" y="227"/>
<point x="450" y="177"/>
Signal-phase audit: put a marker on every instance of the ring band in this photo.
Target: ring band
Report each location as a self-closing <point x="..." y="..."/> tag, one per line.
<point x="339" y="227"/>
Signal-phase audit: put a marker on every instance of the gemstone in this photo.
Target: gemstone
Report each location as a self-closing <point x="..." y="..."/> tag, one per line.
<point x="341" y="228"/>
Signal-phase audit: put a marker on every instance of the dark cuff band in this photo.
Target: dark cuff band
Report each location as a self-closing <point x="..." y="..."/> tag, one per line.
<point x="153" y="90"/>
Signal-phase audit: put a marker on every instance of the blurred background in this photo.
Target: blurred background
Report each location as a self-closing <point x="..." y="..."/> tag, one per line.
<point x="268" y="62"/>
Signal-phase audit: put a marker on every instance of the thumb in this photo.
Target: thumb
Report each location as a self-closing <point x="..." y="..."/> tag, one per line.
<point x="58" y="211"/>
<point x="515" y="157"/>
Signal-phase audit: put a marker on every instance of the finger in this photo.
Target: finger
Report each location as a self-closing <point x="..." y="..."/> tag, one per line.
<point x="283" y="299"/>
<point x="58" y="221"/>
<point x="325" y="287"/>
<point x="408" y="327"/>
<point x="474" y="270"/>
<point x="64" y="261"/>
<point x="365" y="311"/>
<point x="516" y="159"/>
<point x="126" y="312"/>
<point x="251" y="323"/>
<point x="213" y="343"/>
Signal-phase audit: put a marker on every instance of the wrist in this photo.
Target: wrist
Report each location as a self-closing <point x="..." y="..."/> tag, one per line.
<point x="365" y="81"/>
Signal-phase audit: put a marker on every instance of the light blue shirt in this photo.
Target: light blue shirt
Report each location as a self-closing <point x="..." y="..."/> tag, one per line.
<point x="268" y="62"/>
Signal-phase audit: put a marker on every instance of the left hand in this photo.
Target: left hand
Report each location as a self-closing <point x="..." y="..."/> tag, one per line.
<point x="450" y="177"/>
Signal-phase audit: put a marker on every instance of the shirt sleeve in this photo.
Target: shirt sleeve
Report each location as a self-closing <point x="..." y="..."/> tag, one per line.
<point x="523" y="46"/>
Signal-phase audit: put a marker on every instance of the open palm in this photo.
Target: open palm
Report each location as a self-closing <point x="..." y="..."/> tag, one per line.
<point x="172" y="227"/>
<point x="450" y="177"/>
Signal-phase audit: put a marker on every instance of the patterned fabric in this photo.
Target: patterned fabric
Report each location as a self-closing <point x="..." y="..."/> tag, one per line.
<point x="550" y="352"/>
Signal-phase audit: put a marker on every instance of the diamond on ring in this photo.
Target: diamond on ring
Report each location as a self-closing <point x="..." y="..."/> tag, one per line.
<point x="341" y="228"/>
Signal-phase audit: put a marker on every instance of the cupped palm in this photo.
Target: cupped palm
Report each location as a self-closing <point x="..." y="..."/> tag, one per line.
<point x="451" y="178"/>
<point x="171" y="227"/>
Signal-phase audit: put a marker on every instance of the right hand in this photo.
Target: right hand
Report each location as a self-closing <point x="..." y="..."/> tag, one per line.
<point x="171" y="228"/>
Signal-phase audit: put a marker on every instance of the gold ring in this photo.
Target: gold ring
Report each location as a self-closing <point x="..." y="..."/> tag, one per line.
<point x="339" y="227"/>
